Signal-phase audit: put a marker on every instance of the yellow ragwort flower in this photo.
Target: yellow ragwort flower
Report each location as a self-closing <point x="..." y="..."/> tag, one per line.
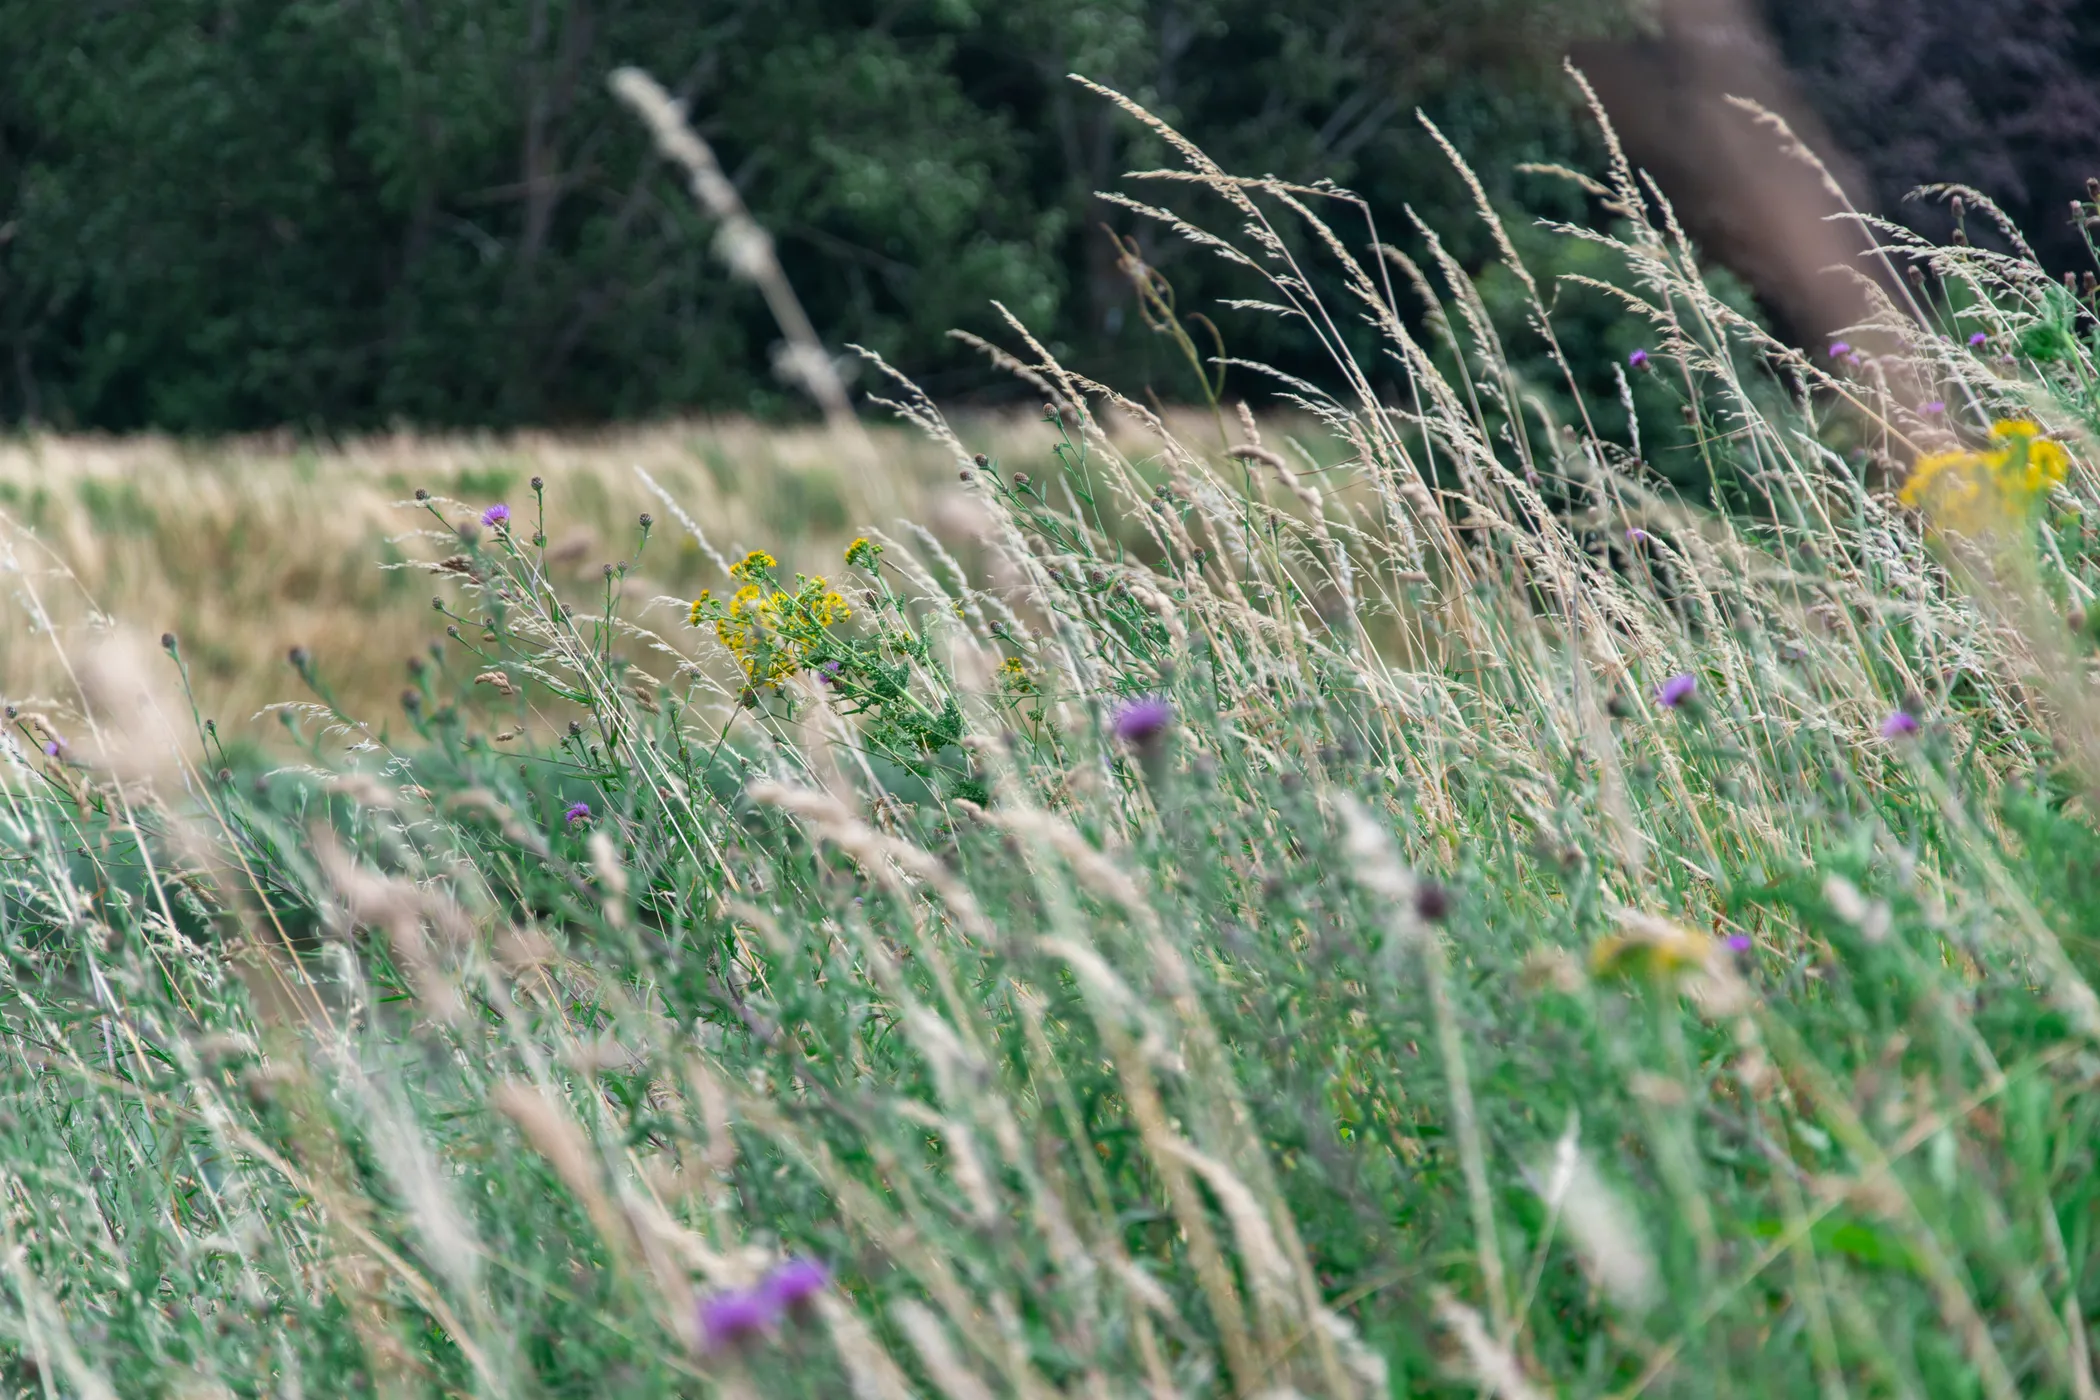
<point x="1968" y="492"/>
<point x="752" y="563"/>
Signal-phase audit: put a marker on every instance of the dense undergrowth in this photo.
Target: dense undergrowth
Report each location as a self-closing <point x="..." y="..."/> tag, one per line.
<point x="1457" y="924"/>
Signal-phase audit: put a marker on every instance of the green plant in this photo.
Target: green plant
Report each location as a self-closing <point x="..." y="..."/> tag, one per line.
<point x="1401" y="936"/>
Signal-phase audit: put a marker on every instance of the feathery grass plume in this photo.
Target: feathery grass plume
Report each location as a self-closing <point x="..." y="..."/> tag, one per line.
<point x="1078" y="1077"/>
<point x="743" y="245"/>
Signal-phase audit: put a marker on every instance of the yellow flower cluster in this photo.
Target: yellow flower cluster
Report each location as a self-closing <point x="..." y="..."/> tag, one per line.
<point x="1013" y="674"/>
<point x="770" y="631"/>
<point x="863" y="552"/>
<point x="755" y="564"/>
<point x="1974" y="491"/>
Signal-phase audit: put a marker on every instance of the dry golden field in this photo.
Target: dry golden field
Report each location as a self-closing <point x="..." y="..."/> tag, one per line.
<point x="248" y="548"/>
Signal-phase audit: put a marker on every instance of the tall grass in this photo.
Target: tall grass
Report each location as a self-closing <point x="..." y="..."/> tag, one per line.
<point x="1524" y="955"/>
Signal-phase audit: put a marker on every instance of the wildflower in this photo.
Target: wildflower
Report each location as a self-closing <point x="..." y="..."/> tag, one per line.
<point x="792" y="1286"/>
<point x="730" y="1320"/>
<point x="698" y="612"/>
<point x="496" y="516"/>
<point x="828" y="606"/>
<point x="1738" y="942"/>
<point x="2032" y="463"/>
<point x="1978" y="340"/>
<point x="1839" y="349"/>
<point x="1656" y="946"/>
<point x="757" y="561"/>
<point x="1638" y="359"/>
<point x="863" y="553"/>
<point x="1900" y="724"/>
<point x="52" y="746"/>
<point x="1933" y="408"/>
<point x="578" y="812"/>
<point x="1637" y="535"/>
<point x="1677" y="691"/>
<point x="828" y="673"/>
<point x="1142" y="722"/>
<point x="1969" y="491"/>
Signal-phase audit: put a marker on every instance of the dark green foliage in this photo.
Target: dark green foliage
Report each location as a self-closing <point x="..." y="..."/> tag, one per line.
<point x="237" y="214"/>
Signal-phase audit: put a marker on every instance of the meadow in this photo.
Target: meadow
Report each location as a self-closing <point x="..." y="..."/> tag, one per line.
<point x="1375" y="897"/>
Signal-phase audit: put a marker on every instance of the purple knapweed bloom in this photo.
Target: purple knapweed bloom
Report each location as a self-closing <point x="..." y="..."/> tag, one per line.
<point x="1637" y="535"/>
<point x="828" y="673"/>
<point x="1675" y="692"/>
<point x="792" y="1286"/>
<point x="1739" y="942"/>
<point x="1839" y="349"/>
<point x="1933" y="408"/>
<point x="579" y="812"/>
<point x="1142" y="722"/>
<point x="1638" y="359"/>
<point x="495" y="515"/>
<point x="52" y="746"/>
<point x="1977" y="339"/>
<point x="1900" y="724"/>
<point x="731" y="1319"/>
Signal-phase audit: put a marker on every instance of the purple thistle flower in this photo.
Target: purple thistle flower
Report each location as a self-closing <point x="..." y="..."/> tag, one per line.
<point x="1638" y="359"/>
<point x="1900" y="724"/>
<point x="790" y="1287"/>
<point x="1978" y="339"/>
<point x="828" y="673"/>
<point x="731" y="1319"/>
<point x="1739" y="942"/>
<point x="1141" y="723"/>
<point x="495" y="515"/>
<point x="1675" y="692"/>
<point x="52" y="746"/>
<point x="579" y="812"/>
<point x="1839" y="349"/>
<point x="1934" y="408"/>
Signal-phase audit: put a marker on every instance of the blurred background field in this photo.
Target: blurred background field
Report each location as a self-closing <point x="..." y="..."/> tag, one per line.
<point x="246" y="548"/>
